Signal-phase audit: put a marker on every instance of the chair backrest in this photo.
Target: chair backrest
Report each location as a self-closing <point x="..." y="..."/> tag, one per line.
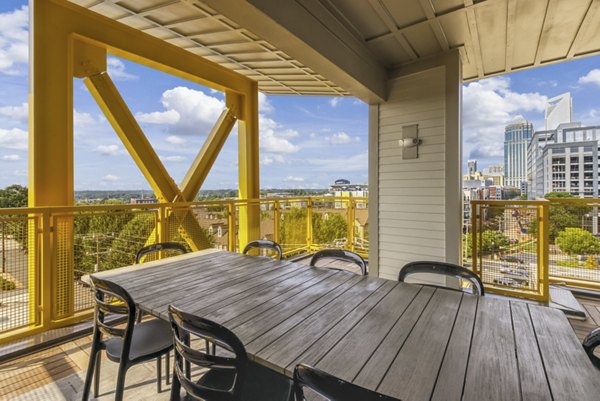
<point x="161" y="246"/>
<point x="340" y="254"/>
<point x="113" y="300"/>
<point x="447" y="269"/>
<point x="590" y="343"/>
<point x="184" y="325"/>
<point x="264" y="244"/>
<point x="331" y="387"/>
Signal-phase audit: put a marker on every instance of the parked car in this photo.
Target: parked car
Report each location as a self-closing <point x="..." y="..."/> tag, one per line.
<point x="512" y="259"/>
<point x="507" y="281"/>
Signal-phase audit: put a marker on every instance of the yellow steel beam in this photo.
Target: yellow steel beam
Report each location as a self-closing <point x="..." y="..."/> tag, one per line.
<point x="249" y="175"/>
<point x="130" y="43"/>
<point x="125" y="125"/>
<point x="193" y="180"/>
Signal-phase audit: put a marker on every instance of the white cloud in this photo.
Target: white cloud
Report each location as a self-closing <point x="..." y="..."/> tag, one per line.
<point x="110" y="150"/>
<point x="110" y="177"/>
<point x="592" y="77"/>
<point x="291" y="178"/>
<point x="334" y="101"/>
<point x="197" y="112"/>
<point x="340" y="138"/>
<point x="268" y="160"/>
<point x="488" y="106"/>
<point x="175" y="140"/>
<point x="116" y="70"/>
<point x="11" y="158"/>
<point x="14" y="138"/>
<point x="273" y="139"/>
<point x="173" y="158"/>
<point x="264" y="105"/>
<point x="159" y="117"/>
<point x="14" y="41"/>
<point x="16" y="113"/>
<point x="81" y="119"/>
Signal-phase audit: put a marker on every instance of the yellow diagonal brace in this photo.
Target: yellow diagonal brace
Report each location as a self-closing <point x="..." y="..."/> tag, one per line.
<point x="203" y="162"/>
<point x="122" y="120"/>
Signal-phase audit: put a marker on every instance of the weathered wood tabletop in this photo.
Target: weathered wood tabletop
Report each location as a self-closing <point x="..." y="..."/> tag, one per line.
<point x="403" y="340"/>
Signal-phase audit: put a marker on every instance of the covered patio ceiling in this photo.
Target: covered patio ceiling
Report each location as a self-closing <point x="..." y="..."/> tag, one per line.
<point x="341" y="47"/>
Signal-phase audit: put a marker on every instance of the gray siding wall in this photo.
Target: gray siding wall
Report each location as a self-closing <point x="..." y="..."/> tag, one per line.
<point x="415" y="199"/>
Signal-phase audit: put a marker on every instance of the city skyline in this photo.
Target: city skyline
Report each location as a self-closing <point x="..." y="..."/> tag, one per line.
<point x="326" y="137"/>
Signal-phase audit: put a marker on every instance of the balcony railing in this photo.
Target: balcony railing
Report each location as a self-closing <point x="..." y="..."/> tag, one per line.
<point x="520" y="247"/>
<point x="46" y="251"/>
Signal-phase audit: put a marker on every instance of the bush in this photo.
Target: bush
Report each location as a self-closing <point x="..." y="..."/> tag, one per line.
<point x="591" y="262"/>
<point x="568" y="263"/>
<point x="575" y="241"/>
<point x="6" y="284"/>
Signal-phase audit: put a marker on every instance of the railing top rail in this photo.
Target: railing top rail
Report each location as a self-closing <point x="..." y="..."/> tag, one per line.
<point x="592" y="201"/>
<point x="509" y="202"/>
<point x="151" y="206"/>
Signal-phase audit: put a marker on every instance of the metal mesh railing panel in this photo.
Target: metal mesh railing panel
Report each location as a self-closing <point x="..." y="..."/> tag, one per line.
<point x="507" y="248"/>
<point x="19" y="279"/>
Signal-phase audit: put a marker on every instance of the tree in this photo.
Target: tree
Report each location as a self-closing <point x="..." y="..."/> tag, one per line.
<point x="575" y="241"/>
<point x="326" y="230"/>
<point x="13" y="196"/>
<point x="560" y="216"/>
<point x="490" y="242"/>
<point x="591" y="262"/>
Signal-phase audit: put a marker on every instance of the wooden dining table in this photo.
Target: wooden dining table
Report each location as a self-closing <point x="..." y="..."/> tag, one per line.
<point x="404" y="340"/>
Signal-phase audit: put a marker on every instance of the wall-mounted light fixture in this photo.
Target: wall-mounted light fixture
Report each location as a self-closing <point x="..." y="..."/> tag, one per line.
<point x="410" y="141"/>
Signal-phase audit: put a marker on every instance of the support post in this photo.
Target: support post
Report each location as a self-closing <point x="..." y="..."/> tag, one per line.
<point x="249" y="174"/>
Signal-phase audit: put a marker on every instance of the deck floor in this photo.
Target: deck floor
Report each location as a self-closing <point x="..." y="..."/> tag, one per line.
<point x="58" y="373"/>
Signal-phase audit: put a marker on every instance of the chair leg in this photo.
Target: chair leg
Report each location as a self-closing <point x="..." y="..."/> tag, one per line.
<point x="94" y="353"/>
<point x="97" y="375"/>
<point x="120" y="389"/>
<point x="168" y="368"/>
<point x="159" y="374"/>
<point x="175" y="387"/>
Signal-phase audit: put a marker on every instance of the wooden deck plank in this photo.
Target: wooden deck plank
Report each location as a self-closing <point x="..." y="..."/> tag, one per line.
<point x="492" y="372"/>
<point x="567" y="369"/>
<point x="534" y="384"/>
<point x="349" y="355"/>
<point x="266" y="328"/>
<point x="281" y="345"/>
<point x="240" y="303"/>
<point x="420" y="358"/>
<point x="326" y="340"/>
<point x="450" y="381"/>
<point x="376" y="367"/>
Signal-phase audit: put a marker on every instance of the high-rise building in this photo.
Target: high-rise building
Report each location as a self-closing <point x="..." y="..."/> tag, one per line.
<point x="564" y="160"/>
<point x="559" y="110"/>
<point x="472" y="166"/>
<point x="516" y="140"/>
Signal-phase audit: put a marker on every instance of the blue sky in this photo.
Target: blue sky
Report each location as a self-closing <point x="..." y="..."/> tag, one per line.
<point x="306" y="142"/>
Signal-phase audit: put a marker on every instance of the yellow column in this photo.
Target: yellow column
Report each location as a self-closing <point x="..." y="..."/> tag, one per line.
<point x="249" y="175"/>
<point x="50" y="152"/>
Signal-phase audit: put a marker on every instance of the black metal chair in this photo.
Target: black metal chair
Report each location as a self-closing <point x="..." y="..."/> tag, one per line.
<point x="158" y="247"/>
<point x="229" y="377"/>
<point x="590" y="343"/>
<point x="446" y="269"/>
<point x="340" y="254"/>
<point x="264" y="244"/>
<point x="331" y="387"/>
<point x="128" y="346"/>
